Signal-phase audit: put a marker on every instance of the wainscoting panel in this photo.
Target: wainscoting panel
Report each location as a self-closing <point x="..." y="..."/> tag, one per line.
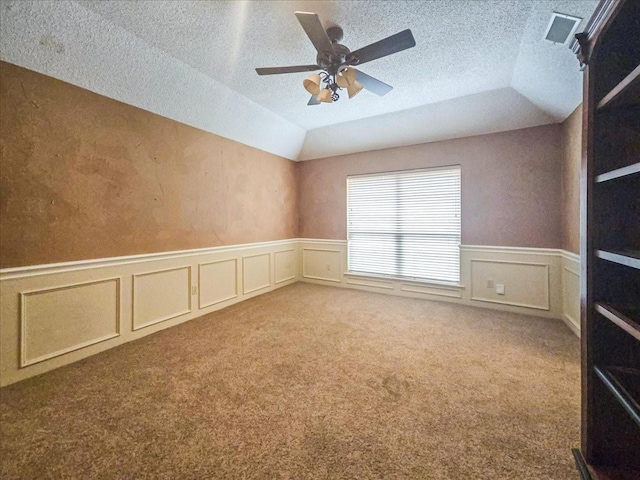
<point x="161" y="295"/>
<point x="256" y="272"/>
<point x="218" y="282"/>
<point x="285" y="265"/>
<point x="431" y="290"/>
<point x="533" y="278"/>
<point x="53" y="315"/>
<point x="571" y="291"/>
<point x="55" y="321"/>
<point x="364" y="282"/>
<point x="322" y="264"/>
<point x="526" y="284"/>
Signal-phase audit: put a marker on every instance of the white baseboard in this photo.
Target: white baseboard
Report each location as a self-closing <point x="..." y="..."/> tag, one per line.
<point x="572" y="324"/>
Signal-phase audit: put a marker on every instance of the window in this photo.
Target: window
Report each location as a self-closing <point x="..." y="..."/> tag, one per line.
<point x="405" y="224"/>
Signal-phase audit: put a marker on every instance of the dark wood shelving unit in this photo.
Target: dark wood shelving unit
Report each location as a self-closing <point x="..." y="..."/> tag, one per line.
<point x="609" y="49"/>
<point x="619" y="173"/>
<point x="628" y="258"/>
<point x="623" y="384"/>
<point x="627" y="92"/>
<point x="583" y="469"/>
<point x="628" y="321"/>
<point x="601" y="473"/>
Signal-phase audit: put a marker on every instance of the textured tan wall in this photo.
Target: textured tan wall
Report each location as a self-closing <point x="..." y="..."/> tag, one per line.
<point x="571" y="168"/>
<point x="83" y="176"/>
<point x="510" y="185"/>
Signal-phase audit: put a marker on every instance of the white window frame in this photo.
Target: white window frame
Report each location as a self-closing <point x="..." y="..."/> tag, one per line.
<point x="420" y="279"/>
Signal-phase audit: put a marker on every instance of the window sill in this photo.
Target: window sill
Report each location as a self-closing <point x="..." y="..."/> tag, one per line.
<point x="418" y="281"/>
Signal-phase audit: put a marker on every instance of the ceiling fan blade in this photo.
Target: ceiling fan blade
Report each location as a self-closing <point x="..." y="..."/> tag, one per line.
<point x="372" y="84"/>
<point x="393" y="44"/>
<point x="315" y="31"/>
<point x="313" y="100"/>
<point x="293" y="69"/>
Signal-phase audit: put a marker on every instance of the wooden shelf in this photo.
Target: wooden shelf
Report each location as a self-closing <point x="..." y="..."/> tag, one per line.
<point x="624" y="384"/>
<point x="626" y="320"/>
<point x="627" y="92"/>
<point x="629" y="258"/>
<point x="619" y="172"/>
<point x="610" y="240"/>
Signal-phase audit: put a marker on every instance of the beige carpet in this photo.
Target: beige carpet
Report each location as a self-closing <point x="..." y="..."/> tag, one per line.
<point x="310" y="382"/>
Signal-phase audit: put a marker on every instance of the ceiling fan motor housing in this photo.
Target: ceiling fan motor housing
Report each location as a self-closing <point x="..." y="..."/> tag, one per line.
<point x="335" y="33"/>
<point x="331" y="61"/>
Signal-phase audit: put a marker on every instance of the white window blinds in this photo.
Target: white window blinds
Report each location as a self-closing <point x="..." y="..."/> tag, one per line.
<point x="405" y="224"/>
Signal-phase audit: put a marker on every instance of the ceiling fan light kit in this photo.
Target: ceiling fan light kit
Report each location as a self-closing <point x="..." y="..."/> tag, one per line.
<point x="326" y="96"/>
<point x="354" y="89"/>
<point x="313" y="84"/>
<point x="336" y="62"/>
<point x="346" y="76"/>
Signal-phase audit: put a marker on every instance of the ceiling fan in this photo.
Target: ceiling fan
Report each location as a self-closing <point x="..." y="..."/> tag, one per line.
<point x="337" y="62"/>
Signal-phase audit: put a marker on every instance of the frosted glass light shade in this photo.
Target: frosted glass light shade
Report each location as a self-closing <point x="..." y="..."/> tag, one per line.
<point x="326" y="96"/>
<point x="312" y="84"/>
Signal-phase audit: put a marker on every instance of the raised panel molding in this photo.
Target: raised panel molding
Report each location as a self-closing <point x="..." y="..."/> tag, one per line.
<point x="38" y="297"/>
<point x="535" y="285"/>
<point x="534" y="293"/>
<point x="571" y="293"/>
<point x="370" y="283"/>
<point x="256" y="272"/>
<point x="429" y="290"/>
<point x="160" y="295"/>
<point x="322" y="264"/>
<point x="285" y="265"/>
<point x="142" y="294"/>
<point x="217" y="281"/>
<point x="58" y="320"/>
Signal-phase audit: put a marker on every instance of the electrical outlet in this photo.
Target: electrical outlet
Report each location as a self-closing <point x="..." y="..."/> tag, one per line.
<point x="489" y="283"/>
<point x="328" y="267"/>
<point x="500" y="289"/>
<point x="194" y="290"/>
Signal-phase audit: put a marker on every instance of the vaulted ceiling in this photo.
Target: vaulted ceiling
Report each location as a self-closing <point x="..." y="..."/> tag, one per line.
<point x="477" y="67"/>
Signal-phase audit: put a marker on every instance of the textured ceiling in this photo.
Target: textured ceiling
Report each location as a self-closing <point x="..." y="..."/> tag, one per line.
<point x="194" y="61"/>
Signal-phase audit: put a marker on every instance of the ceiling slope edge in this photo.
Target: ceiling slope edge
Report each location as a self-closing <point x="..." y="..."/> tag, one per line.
<point x="548" y="74"/>
<point x="66" y="41"/>
<point x="481" y="113"/>
<point x="559" y="110"/>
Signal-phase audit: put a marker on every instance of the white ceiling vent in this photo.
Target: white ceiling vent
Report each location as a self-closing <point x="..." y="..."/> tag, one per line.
<point x="561" y="28"/>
